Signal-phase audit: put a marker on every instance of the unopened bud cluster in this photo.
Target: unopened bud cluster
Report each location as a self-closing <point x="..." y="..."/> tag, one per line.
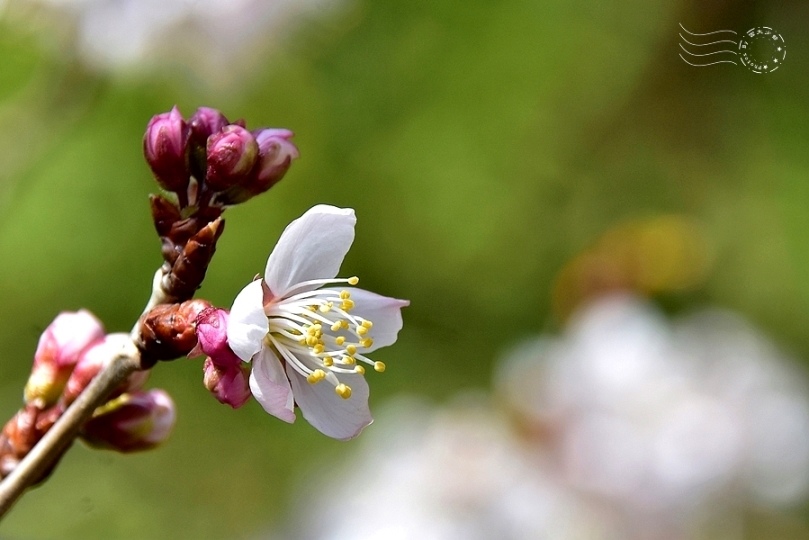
<point x="72" y="350"/>
<point x="207" y="163"/>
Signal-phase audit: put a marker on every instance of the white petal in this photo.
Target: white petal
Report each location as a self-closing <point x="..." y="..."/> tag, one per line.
<point x="311" y="247"/>
<point x="270" y="386"/>
<point x="248" y="324"/>
<point x="330" y="414"/>
<point x="384" y="312"/>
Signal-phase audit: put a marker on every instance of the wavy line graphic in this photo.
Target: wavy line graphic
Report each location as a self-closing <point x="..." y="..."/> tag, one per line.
<point x="708" y="34"/>
<point x="701" y="59"/>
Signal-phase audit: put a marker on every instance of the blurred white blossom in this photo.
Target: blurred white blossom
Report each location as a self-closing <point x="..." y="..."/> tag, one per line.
<point x="207" y="37"/>
<point x="627" y="426"/>
<point x="664" y="420"/>
<point x="456" y="473"/>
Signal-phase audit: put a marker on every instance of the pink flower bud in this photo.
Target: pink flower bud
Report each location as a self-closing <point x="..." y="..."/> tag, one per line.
<point x="93" y="359"/>
<point x="232" y="153"/>
<point x="165" y="146"/>
<point x="204" y="123"/>
<point x="131" y="422"/>
<point x="275" y="154"/>
<point x="230" y="385"/>
<point x="59" y="348"/>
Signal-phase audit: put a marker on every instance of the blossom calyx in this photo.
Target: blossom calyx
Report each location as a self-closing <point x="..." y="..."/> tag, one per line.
<point x="165" y="146"/>
<point x="59" y="348"/>
<point x="211" y="327"/>
<point x="131" y="422"/>
<point x="225" y="375"/>
<point x="232" y="154"/>
<point x="168" y="330"/>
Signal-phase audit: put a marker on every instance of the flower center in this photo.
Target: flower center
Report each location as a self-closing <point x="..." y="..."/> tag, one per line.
<point x="315" y="332"/>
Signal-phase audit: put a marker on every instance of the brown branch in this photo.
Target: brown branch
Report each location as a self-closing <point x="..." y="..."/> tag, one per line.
<point x="42" y="457"/>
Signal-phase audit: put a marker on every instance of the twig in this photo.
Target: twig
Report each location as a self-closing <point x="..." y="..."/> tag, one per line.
<point x="64" y="431"/>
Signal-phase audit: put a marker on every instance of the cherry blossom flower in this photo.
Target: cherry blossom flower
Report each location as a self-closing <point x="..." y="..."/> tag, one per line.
<point x="308" y="344"/>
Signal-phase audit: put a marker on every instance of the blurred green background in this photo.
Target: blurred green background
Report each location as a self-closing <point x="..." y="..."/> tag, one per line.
<point x="483" y="146"/>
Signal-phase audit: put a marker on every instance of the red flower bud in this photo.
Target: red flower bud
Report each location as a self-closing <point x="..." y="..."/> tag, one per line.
<point x="165" y="146"/>
<point x="131" y="422"/>
<point x="275" y="154"/>
<point x="232" y="153"/>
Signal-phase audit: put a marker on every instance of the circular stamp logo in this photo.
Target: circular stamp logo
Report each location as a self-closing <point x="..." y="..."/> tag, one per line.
<point x="762" y="49"/>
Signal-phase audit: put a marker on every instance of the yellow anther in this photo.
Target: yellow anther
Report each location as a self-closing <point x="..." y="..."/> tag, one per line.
<point x="344" y="324"/>
<point x="347" y="305"/>
<point x="340" y="340"/>
<point x="336" y="326"/>
<point x="361" y="330"/>
<point x="367" y="342"/>
<point x="349" y="360"/>
<point x="328" y="361"/>
<point x="351" y="349"/>
<point x="319" y="348"/>
<point x="379" y="366"/>
<point x="344" y="391"/>
<point x="345" y="295"/>
<point x="367" y="324"/>
<point x="325" y="308"/>
<point x="353" y="280"/>
<point x="360" y="370"/>
<point x="311" y="308"/>
<point x="316" y="376"/>
<point x="311" y="341"/>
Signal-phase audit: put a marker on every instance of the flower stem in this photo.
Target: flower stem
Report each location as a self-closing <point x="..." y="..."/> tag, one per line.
<point x="45" y="453"/>
<point x="64" y="431"/>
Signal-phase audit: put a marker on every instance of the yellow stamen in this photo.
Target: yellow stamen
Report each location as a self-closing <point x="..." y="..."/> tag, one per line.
<point x="360" y="370"/>
<point x="345" y="295"/>
<point x="328" y="361"/>
<point x="379" y="367"/>
<point x="349" y="360"/>
<point x="367" y="342"/>
<point x="361" y="330"/>
<point x="340" y="340"/>
<point x="353" y="280"/>
<point x="351" y="349"/>
<point x="344" y="391"/>
<point x="367" y="324"/>
<point x="347" y="305"/>
<point x="336" y="326"/>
